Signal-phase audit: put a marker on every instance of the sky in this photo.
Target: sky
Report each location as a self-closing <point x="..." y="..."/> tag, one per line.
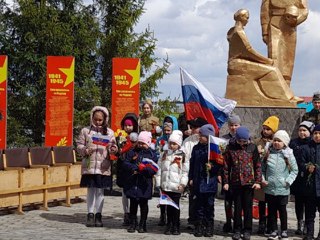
<point x="193" y="34"/>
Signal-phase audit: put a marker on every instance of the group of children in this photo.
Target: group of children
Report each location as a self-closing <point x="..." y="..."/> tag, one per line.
<point x="264" y="168"/>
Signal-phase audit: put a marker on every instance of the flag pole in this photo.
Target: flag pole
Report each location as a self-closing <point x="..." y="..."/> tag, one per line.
<point x="208" y="173"/>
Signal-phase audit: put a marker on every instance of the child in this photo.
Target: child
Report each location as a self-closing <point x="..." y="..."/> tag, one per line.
<point x="269" y="127"/>
<point x="234" y="123"/>
<point x="204" y="182"/>
<point x="279" y="170"/>
<point x="96" y="165"/>
<point x="172" y="177"/>
<point x="309" y="165"/>
<point x="242" y="174"/>
<point x="304" y="132"/>
<point x="140" y="165"/>
<point x="129" y="124"/>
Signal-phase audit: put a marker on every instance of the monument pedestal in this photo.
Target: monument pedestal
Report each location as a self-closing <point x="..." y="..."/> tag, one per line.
<point x="253" y="117"/>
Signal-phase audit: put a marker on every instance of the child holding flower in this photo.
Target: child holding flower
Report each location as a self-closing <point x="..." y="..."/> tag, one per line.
<point x="172" y="177"/>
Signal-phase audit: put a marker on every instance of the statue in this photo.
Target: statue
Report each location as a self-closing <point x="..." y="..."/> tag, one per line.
<point x="279" y="21"/>
<point x="253" y="80"/>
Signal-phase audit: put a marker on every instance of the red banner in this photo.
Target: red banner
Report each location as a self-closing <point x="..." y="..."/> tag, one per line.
<point x="59" y="101"/>
<point x="3" y="100"/>
<point x="125" y="89"/>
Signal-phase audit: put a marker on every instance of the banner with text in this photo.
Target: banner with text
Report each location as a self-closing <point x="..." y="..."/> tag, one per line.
<point x="125" y="89"/>
<point x="59" y="101"/>
<point x="3" y="100"/>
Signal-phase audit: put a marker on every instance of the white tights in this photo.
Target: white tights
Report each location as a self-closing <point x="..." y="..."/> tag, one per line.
<point x="95" y="200"/>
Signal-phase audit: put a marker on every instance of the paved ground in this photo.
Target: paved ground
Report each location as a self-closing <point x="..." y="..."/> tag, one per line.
<point x="69" y="223"/>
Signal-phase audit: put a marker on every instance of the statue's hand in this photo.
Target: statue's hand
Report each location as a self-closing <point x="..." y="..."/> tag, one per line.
<point x="265" y="39"/>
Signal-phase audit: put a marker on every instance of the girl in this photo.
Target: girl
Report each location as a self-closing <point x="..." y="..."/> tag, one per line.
<point x="304" y="132"/>
<point x="204" y="182"/>
<point x="279" y="170"/>
<point x="129" y="124"/>
<point x="140" y="165"/>
<point x="96" y="165"/>
<point x="242" y="174"/>
<point x="172" y="177"/>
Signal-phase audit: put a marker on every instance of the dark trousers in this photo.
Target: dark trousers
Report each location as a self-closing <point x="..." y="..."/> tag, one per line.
<point x="299" y="205"/>
<point x="192" y="206"/>
<point x="228" y="201"/>
<point x="311" y="204"/>
<point x="277" y="204"/>
<point x="242" y="198"/>
<point x="173" y="214"/>
<point x="144" y="208"/>
<point x="204" y="207"/>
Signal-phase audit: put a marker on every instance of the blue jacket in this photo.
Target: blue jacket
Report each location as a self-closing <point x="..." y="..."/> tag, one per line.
<point x="279" y="172"/>
<point x="296" y="145"/>
<point x="311" y="154"/>
<point x="198" y="173"/>
<point x="139" y="184"/>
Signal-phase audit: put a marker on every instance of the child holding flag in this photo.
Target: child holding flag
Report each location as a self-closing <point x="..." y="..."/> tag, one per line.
<point x="140" y="165"/>
<point x="203" y="178"/>
<point x="172" y="177"/>
<point x="95" y="144"/>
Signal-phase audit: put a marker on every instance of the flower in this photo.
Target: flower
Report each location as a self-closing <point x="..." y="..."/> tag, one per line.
<point x="162" y="142"/>
<point x="309" y="178"/>
<point x="177" y="160"/>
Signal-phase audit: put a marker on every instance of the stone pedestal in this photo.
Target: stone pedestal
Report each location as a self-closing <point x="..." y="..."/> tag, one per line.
<point x="253" y="117"/>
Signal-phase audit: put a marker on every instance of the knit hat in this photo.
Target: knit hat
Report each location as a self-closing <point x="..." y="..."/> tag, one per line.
<point x="272" y="122"/>
<point x="242" y="133"/>
<point x="145" y="137"/>
<point x="316" y="128"/>
<point x="234" y="119"/>
<point x="167" y="124"/>
<point x="207" y="130"/>
<point x="308" y="125"/>
<point x="133" y="137"/>
<point x="128" y="122"/>
<point x="283" y="136"/>
<point x="197" y="122"/>
<point x="176" y="137"/>
<point x="316" y="96"/>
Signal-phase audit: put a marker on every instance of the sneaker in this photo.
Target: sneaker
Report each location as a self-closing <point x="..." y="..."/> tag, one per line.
<point x="246" y="236"/>
<point x="284" y="235"/>
<point x="273" y="236"/>
<point x="236" y="236"/>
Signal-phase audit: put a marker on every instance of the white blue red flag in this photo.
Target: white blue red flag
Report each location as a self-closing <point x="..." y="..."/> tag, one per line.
<point x="199" y="102"/>
<point x="216" y="148"/>
<point x="100" y="139"/>
<point x="166" y="200"/>
<point x="150" y="163"/>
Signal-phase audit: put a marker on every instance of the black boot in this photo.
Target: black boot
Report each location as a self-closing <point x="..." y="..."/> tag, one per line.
<point x="198" y="232"/>
<point x="176" y="229"/>
<point x="299" y="230"/>
<point x="126" y="220"/>
<point x="133" y="225"/>
<point x="168" y="229"/>
<point x="262" y="226"/>
<point x="209" y="229"/>
<point x="90" y="220"/>
<point x="98" y="220"/>
<point x="162" y="220"/>
<point x="142" y="226"/>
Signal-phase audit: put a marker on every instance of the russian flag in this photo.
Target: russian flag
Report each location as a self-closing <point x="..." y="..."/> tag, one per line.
<point x="166" y="200"/>
<point x="149" y="163"/>
<point x="216" y="148"/>
<point x="199" y="102"/>
<point x="99" y="139"/>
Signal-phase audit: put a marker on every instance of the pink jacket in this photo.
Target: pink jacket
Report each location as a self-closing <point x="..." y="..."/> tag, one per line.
<point x="98" y="162"/>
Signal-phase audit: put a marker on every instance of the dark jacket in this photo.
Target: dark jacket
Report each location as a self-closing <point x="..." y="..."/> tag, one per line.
<point x="134" y="118"/>
<point x="242" y="166"/>
<point x="198" y="173"/>
<point x="139" y="184"/>
<point x="312" y="116"/>
<point x="310" y="153"/>
<point x="296" y="145"/>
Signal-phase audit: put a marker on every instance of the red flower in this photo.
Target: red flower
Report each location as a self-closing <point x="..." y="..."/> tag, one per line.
<point x="177" y="160"/>
<point x="162" y="142"/>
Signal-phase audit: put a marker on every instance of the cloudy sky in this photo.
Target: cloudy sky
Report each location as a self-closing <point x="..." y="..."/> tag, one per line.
<point x="193" y="34"/>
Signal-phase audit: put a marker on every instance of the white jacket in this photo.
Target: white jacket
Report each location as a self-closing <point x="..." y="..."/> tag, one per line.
<point x="188" y="145"/>
<point x="173" y="171"/>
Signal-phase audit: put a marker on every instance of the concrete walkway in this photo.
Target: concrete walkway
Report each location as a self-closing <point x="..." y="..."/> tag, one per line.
<point x="69" y="223"/>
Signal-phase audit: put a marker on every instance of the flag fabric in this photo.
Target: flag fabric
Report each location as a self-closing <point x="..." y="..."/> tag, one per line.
<point x="149" y="163"/>
<point x="99" y="139"/>
<point x="166" y="200"/>
<point x="199" y="102"/>
<point x="216" y="148"/>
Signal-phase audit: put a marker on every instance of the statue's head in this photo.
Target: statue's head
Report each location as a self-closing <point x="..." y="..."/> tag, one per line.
<point x="242" y="15"/>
